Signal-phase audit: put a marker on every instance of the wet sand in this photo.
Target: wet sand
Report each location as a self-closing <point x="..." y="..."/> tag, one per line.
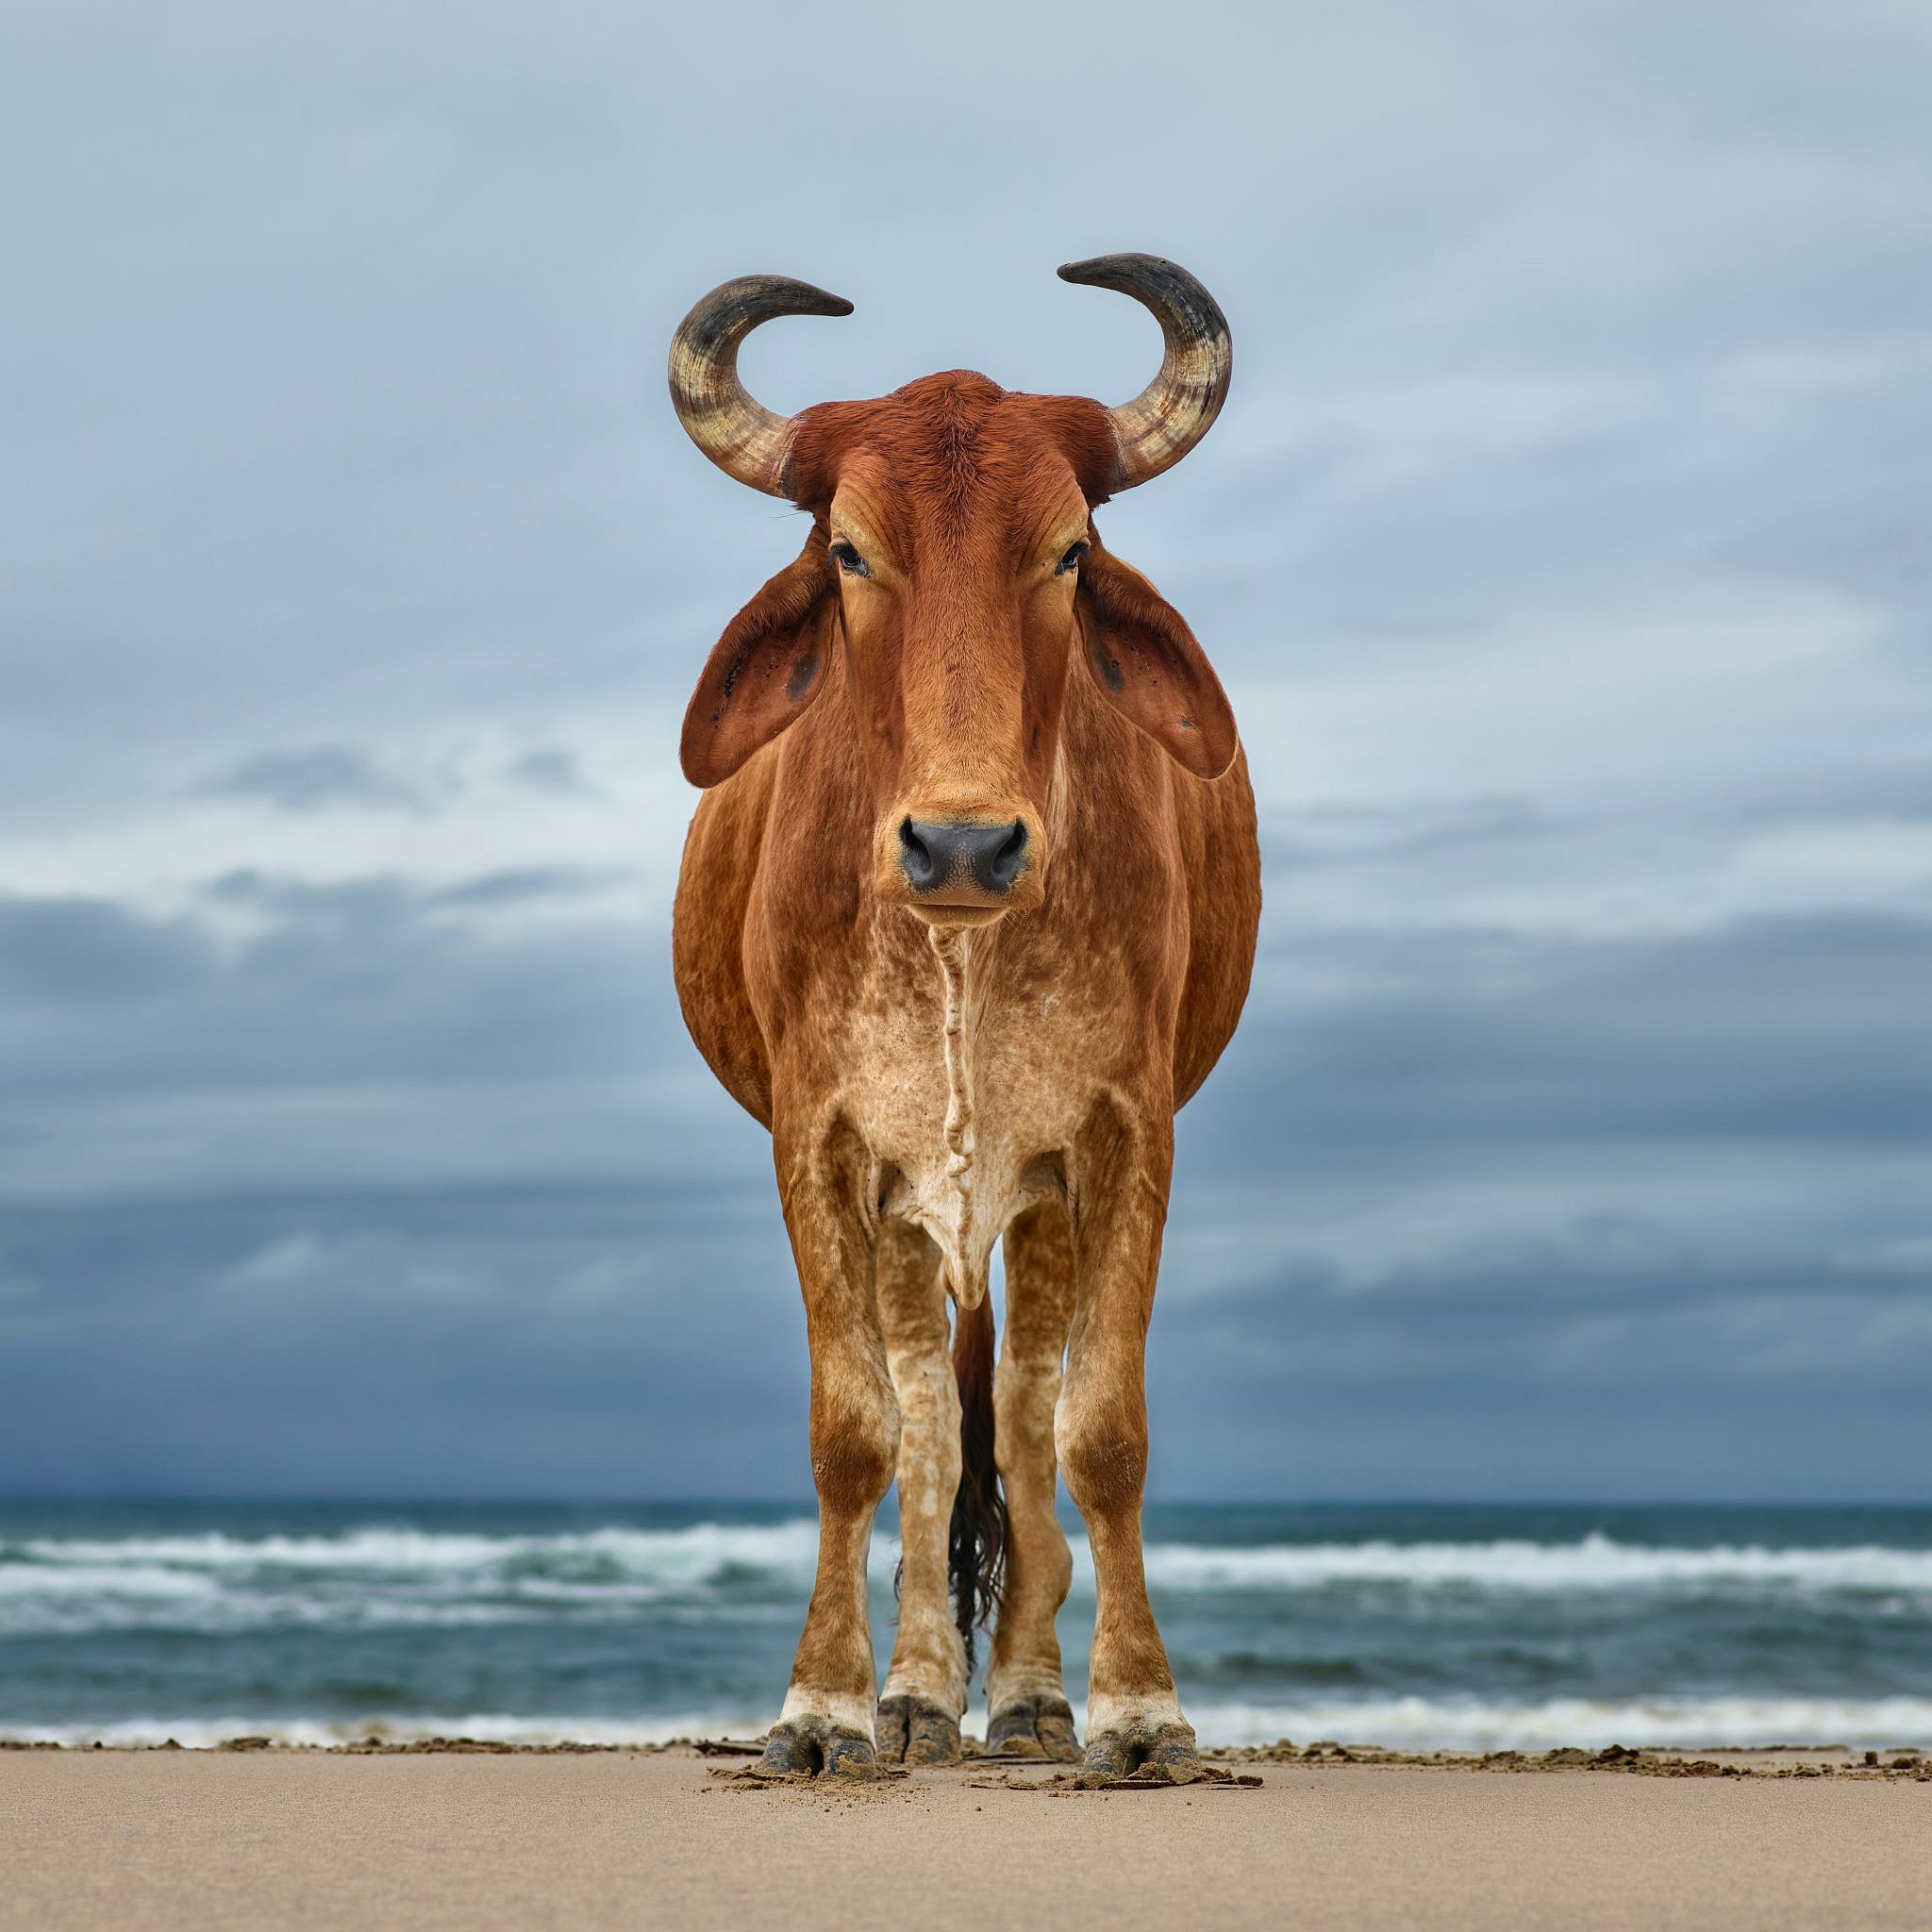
<point x="138" y="1838"/>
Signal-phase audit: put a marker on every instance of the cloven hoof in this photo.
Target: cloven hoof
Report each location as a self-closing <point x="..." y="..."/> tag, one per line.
<point x="1034" y="1727"/>
<point x="1165" y="1752"/>
<point x="812" y="1747"/>
<point x="913" y="1731"/>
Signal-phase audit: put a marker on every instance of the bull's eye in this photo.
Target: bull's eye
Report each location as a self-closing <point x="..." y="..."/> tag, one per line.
<point x="850" y="561"/>
<point x="1071" y="559"/>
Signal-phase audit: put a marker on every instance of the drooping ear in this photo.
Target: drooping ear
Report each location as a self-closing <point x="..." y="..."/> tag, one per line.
<point x="765" y="670"/>
<point x="1146" y="663"/>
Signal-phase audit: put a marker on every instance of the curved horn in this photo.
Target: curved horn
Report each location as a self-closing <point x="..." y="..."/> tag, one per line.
<point x="739" y="433"/>
<point x="1177" y="409"/>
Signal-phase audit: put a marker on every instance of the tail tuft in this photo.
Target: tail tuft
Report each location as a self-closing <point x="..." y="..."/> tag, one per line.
<point x="977" y="1552"/>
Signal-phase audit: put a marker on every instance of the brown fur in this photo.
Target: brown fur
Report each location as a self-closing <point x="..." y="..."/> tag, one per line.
<point x="964" y="678"/>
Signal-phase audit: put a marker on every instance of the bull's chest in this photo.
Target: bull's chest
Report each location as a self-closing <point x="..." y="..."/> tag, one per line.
<point x="964" y="1081"/>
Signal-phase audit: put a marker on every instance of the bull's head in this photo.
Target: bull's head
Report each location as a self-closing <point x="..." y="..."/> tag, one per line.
<point x="953" y="559"/>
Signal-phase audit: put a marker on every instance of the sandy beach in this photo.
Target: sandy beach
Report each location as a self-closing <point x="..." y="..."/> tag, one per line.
<point x="138" y="1838"/>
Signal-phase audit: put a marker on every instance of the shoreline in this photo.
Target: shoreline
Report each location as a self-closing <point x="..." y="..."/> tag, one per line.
<point x="1899" y="1763"/>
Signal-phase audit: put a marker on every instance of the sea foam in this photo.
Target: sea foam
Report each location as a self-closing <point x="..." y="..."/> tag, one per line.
<point x="377" y="1575"/>
<point x="706" y="1553"/>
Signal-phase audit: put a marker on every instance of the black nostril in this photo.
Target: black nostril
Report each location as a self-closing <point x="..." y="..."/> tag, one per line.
<point x="1003" y="868"/>
<point x="915" y="856"/>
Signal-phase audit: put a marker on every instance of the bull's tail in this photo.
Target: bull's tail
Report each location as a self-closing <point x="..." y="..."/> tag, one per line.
<point x="979" y="1546"/>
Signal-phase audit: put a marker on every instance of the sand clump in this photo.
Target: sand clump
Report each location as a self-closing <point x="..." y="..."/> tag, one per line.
<point x="1769" y="1760"/>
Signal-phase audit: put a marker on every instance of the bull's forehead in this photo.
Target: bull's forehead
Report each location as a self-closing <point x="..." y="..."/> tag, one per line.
<point x="955" y="459"/>
<point x="981" y="516"/>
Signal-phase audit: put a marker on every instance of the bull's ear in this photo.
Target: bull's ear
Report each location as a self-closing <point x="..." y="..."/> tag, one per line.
<point x="765" y="670"/>
<point x="1147" y="665"/>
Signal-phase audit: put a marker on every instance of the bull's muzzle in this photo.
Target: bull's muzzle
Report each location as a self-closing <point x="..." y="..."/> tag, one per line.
<point x="937" y="857"/>
<point x="967" y="866"/>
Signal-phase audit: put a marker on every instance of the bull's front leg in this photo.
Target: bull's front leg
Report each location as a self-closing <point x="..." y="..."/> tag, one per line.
<point x="926" y="1685"/>
<point x="1123" y="1161"/>
<point x="826" y="1724"/>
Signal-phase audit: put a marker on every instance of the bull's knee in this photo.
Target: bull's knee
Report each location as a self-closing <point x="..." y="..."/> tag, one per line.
<point x="855" y="1451"/>
<point x="1102" y="1453"/>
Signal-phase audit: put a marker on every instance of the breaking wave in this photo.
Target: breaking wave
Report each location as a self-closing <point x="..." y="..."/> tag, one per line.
<point x="1592" y="1562"/>
<point x="375" y="1576"/>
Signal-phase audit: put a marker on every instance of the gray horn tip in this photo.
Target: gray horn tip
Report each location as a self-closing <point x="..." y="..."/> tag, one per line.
<point x="1109" y="270"/>
<point x="740" y="304"/>
<point x="800" y="298"/>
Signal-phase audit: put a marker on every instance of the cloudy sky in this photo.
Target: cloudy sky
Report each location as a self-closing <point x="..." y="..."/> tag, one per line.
<point x="1563" y="547"/>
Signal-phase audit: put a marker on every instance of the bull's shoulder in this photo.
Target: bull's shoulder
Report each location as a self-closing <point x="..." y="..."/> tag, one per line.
<point x="1222" y="863"/>
<point x="715" y="884"/>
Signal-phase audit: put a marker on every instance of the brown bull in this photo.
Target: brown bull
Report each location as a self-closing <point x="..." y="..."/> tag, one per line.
<point x="968" y="910"/>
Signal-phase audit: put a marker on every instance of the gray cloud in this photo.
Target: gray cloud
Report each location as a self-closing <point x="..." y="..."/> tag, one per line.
<point x="552" y="770"/>
<point x="520" y="886"/>
<point x="509" y="1338"/>
<point x="1763" y="1031"/>
<point x="87" y="953"/>
<point x="1610" y="1359"/>
<point x="355" y="981"/>
<point x="1364" y="835"/>
<point x="315" y="779"/>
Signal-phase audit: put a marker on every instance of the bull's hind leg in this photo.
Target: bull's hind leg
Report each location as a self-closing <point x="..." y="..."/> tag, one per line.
<point x="1123" y="1164"/>
<point x="827" y="1724"/>
<point x="1028" y="1714"/>
<point x="925" y="1687"/>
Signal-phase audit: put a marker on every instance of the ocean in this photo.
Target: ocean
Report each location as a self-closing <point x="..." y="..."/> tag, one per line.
<point x="1425" y="1627"/>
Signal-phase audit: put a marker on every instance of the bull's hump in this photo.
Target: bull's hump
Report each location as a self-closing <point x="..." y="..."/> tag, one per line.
<point x="951" y="385"/>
